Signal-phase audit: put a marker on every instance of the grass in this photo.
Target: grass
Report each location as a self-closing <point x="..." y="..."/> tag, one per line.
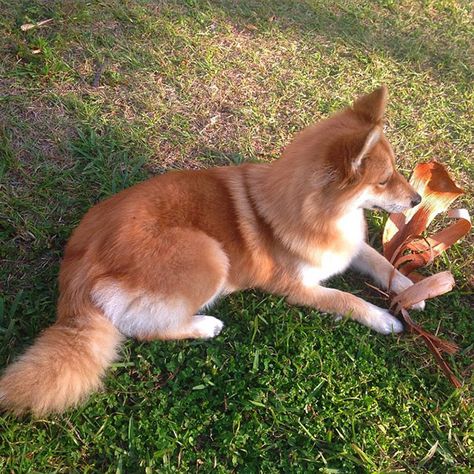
<point x="200" y="83"/>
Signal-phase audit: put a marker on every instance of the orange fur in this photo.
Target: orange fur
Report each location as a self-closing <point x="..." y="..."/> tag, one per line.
<point x="145" y="261"/>
<point x="64" y="365"/>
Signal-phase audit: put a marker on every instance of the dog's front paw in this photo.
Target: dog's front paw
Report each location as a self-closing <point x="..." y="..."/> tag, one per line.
<point x="419" y="306"/>
<point x="400" y="283"/>
<point x="383" y="322"/>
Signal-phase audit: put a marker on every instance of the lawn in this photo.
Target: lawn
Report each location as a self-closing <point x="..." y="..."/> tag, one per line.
<point x="110" y="92"/>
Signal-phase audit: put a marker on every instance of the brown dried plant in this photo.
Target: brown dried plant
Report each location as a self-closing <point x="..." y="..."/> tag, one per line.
<point x="408" y="249"/>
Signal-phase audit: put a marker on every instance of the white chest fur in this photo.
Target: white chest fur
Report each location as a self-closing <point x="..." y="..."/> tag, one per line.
<point x="326" y="260"/>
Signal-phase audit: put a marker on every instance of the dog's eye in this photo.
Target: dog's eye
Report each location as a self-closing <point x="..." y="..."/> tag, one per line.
<point x="384" y="182"/>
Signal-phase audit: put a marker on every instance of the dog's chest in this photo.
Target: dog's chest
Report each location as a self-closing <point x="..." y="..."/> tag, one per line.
<point x="335" y="256"/>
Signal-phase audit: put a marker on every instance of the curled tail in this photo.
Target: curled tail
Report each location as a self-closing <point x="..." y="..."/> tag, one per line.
<point x="63" y="366"/>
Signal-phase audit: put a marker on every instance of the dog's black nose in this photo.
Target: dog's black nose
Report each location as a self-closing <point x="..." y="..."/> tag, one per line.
<point x="416" y="200"/>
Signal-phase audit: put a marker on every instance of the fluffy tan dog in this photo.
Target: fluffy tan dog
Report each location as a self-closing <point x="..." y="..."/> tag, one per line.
<point x="146" y="262"/>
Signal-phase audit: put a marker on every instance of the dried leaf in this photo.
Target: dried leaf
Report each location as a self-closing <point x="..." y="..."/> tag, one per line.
<point x="407" y="249"/>
<point x="30" y="26"/>
<point x="430" y="453"/>
<point x="438" y="190"/>
<point x="435" y="345"/>
<point x="441" y="345"/>
<point x="427" y="288"/>
<point x="429" y="248"/>
<point x="27" y="26"/>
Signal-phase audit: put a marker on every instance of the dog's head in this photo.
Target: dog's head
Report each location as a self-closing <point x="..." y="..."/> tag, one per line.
<point x="366" y="161"/>
<point x="350" y="159"/>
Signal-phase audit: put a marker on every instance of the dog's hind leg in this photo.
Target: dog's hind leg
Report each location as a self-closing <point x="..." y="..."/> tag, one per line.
<point x="338" y="302"/>
<point x="158" y="297"/>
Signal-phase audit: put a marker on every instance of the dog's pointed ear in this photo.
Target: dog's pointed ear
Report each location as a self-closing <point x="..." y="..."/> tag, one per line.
<point x="372" y="138"/>
<point x="347" y="154"/>
<point x="371" y="107"/>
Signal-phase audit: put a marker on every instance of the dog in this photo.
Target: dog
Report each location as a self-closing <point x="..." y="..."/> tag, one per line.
<point x="146" y="262"/>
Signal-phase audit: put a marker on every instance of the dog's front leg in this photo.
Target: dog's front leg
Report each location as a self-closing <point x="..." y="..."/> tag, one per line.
<point x="369" y="261"/>
<point x="338" y="302"/>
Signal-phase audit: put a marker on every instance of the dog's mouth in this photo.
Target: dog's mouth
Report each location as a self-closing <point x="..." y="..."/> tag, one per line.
<point x="394" y="208"/>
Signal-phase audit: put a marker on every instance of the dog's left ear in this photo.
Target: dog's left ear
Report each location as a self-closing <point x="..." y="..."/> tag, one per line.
<point x="372" y="138"/>
<point x="347" y="153"/>
<point x="371" y="107"/>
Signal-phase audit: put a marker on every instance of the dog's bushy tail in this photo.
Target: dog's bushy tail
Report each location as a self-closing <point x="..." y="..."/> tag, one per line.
<point x="63" y="366"/>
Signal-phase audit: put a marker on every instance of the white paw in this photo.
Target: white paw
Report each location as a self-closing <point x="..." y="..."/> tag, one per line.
<point x="382" y="321"/>
<point x="418" y="306"/>
<point x="400" y="283"/>
<point x="207" y="326"/>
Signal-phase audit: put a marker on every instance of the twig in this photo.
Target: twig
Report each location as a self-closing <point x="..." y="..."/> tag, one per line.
<point x="30" y="26"/>
<point x="435" y="345"/>
<point x="100" y="68"/>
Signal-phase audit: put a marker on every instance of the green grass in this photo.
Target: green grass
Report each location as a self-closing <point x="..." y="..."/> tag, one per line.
<point x="191" y="84"/>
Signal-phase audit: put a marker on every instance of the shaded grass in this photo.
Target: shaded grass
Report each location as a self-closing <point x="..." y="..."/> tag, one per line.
<point x="200" y="83"/>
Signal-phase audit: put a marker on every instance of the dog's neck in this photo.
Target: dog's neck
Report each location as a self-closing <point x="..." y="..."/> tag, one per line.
<point x="300" y="222"/>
